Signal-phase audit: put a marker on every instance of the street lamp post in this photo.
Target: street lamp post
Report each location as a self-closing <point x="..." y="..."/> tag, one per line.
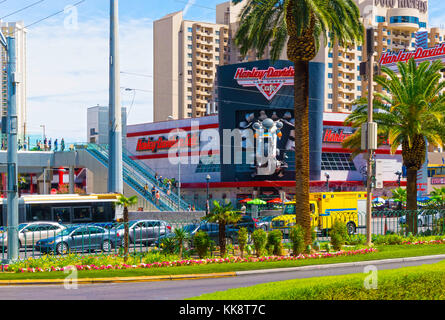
<point x="207" y="197"/>
<point x="371" y="132"/>
<point x="11" y="127"/>
<point x="115" y="171"/>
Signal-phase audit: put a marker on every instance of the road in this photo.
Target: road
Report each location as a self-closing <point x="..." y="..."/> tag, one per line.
<point x="176" y="290"/>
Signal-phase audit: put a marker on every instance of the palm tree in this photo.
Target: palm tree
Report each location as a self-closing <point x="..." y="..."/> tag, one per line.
<point x="222" y="215"/>
<point x="438" y="197"/>
<point x="302" y="25"/>
<point x="126" y="202"/>
<point x="408" y="116"/>
<point x="180" y="236"/>
<point x="399" y="195"/>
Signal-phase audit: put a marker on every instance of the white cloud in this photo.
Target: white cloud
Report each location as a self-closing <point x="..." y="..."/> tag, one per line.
<point x="68" y="72"/>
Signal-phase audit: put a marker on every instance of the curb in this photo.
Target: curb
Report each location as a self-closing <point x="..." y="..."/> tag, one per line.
<point x="212" y="275"/>
<point x="341" y="265"/>
<point x="116" y="280"/>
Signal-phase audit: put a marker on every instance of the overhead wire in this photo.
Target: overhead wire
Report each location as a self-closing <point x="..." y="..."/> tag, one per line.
<point x="22" y="9"/>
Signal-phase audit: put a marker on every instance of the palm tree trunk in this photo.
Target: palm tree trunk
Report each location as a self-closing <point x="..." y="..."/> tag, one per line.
<point x="411" y="200"/>
<point x="301" y="50"/>
<point x="301" y="110"/>
<point x="126" y="232"/>
<point x="413" y="158"/>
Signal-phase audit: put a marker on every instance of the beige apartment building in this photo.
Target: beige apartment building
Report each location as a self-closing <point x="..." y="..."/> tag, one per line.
<point x="186" y="54"/>
<point x="18" y="30"/>
<point x="395" y="22"/>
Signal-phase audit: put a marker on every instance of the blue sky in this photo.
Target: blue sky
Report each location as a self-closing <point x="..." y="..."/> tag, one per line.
<point x="67" y="62"/>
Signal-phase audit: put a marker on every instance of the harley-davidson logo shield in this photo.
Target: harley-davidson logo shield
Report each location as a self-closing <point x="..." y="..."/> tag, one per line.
<point x="268" y="82"/>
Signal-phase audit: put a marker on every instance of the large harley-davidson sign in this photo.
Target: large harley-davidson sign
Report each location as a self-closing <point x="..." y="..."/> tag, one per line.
<point x="390" y="59"/>
<point x="268" y="82"/>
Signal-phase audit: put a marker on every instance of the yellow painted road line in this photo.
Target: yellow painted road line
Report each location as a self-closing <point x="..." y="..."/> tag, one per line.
<point x="116" y="280"/>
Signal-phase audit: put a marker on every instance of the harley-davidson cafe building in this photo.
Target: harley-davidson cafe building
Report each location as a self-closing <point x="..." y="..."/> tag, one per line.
<point x="250" y="93"/>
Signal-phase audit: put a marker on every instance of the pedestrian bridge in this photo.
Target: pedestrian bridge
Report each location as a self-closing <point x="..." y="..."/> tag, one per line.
<point x="95" y="158"/>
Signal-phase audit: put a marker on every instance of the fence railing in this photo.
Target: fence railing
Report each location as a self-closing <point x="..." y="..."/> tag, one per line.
<point x="40" y="239"/>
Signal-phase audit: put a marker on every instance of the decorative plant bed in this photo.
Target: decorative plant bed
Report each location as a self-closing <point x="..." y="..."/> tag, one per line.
<point x="192" y="262"/>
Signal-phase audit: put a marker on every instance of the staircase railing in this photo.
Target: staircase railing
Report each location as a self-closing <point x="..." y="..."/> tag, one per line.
<point x="137" y="177"/>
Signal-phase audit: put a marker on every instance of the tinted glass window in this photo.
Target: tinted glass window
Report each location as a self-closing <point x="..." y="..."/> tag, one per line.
<point x="62" y="215"/>
<point x="141" y="224"/>
<point x="32" y="228"/>
<point x="45" y="227"/>
<point x="95" y="230"/>
<point x="38" y="212"/>
<point x="80" y="231"/>
<point x="82" y="214"/>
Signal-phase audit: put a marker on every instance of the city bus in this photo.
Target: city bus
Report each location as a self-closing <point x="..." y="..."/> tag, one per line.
<point x="65" y="208"/>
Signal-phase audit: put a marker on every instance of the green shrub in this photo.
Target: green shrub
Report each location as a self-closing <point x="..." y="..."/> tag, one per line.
<point x="339" y="234"/>
<point x="274" y="245"/>
<point x="202" y="243"/>
<point x="394" y="239"/>
<point x="296" y="237"/>
<point x="259" y="238"/>
<point x="356" y="239"/>
<point x="156" y="256"/>
<point x="243" y="237"/>
<point x="168" y="245"/>
<point x="229" y="249"/>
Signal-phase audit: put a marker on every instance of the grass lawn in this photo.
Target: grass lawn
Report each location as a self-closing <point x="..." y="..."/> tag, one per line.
<point x="384" y="252"/>
<point x="412" y="283"/>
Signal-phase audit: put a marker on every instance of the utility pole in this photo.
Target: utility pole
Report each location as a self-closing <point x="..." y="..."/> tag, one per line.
<point x="12" y="209"/>
<point x="371" y="133"/>
<point x="115" y="178"/>
<point x="179" y="171"/>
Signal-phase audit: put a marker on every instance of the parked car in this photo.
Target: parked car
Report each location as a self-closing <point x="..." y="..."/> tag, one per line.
<point x="424" y="219"/>
<point x="30" y="233"/>
<point x="265" y="223"/>
<point x="144" y="231"/>
<point x="81" y="238"/>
